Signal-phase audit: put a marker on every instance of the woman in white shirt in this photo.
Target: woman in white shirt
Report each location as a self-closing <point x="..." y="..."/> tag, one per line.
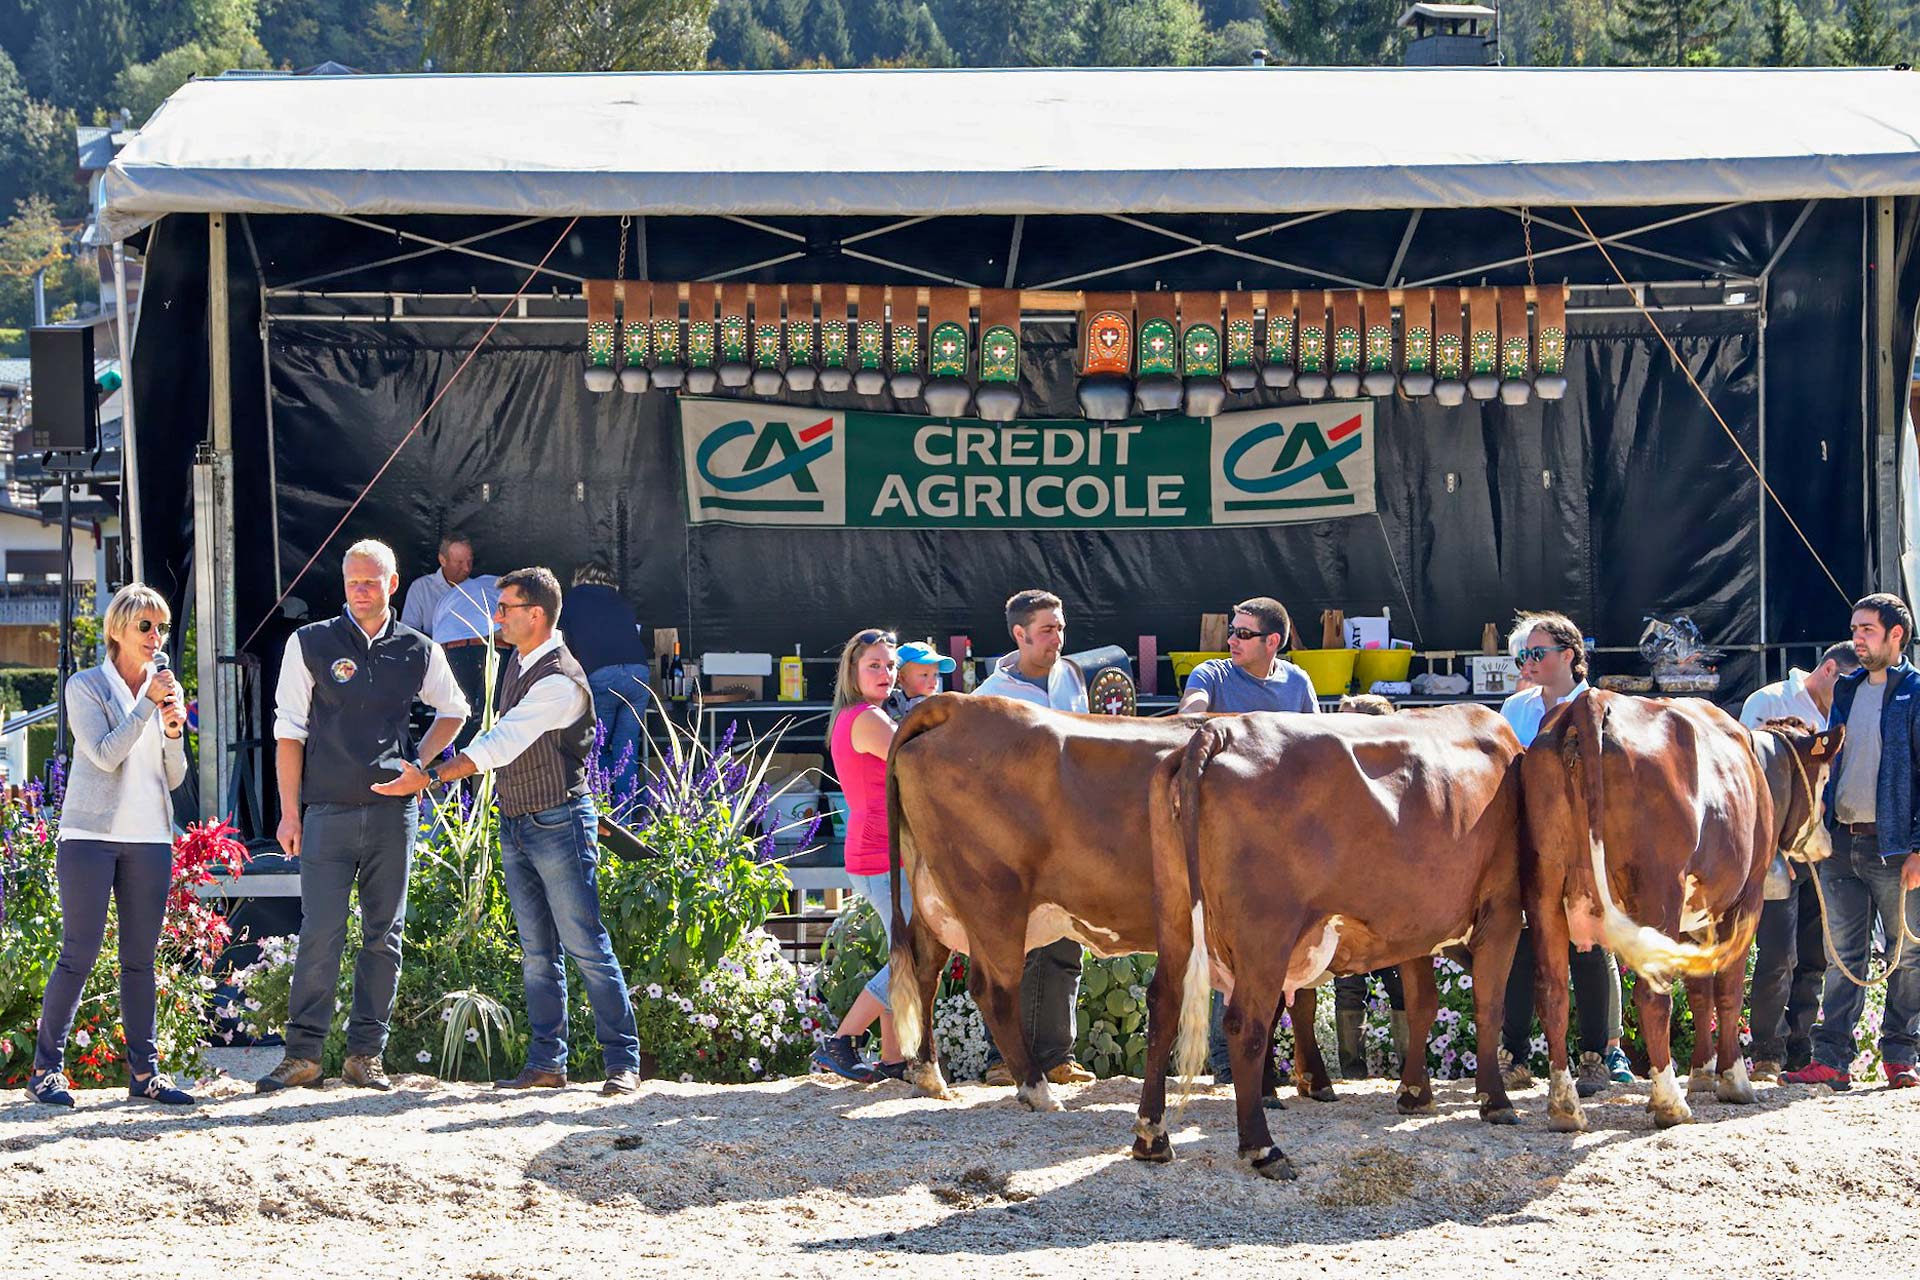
<point x="116" y="840"/>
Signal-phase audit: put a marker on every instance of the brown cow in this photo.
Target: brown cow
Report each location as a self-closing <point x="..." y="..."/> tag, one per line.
<point x="1287" y="847"/>
<point x="1017" y="826"/>
<point x="1669" y="875"/>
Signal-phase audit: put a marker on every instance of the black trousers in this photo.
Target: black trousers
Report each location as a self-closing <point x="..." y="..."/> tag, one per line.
<point x="1789" y="964"/>
<point x="1049" y="991"/>
<point x="1596" y="999"/>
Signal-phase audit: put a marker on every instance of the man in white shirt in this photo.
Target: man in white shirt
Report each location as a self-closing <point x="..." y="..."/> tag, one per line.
<point x="1050" y="984"/>
<point x="549" y="835"/>
<point x="1790" y="958"/>
<point x="1553" y="656"/>
<point x="341" y="712"/>
<point x="423" y="594"/>
<point x="463" y="625"/>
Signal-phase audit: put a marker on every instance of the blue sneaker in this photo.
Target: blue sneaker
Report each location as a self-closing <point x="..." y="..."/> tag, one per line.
<point x="159" y="1087"/>
<point x="1618" y="1069"/>
<point x="836" y="1054"/>
<point x="51" y="1088"/>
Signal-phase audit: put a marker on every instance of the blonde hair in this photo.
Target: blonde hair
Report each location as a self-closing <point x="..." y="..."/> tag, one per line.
<point x="375" y="550"/>
<point x="846" y="684"/>
<point x="131" y="603"/>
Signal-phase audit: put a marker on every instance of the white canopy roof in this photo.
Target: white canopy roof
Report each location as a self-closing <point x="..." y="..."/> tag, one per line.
<point x="905" y="143"/>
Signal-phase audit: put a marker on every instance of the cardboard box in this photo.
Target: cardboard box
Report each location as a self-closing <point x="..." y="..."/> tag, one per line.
<point x="1367" y="633"/>
<point x="1495" y="674"/>
<point x="737" y="664"/>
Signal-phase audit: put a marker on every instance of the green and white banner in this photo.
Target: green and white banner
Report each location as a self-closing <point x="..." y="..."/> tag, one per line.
<point x="767" y="464"/>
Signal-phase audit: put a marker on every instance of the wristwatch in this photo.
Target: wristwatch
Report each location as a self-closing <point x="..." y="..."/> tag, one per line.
<point x="433" y="774"/>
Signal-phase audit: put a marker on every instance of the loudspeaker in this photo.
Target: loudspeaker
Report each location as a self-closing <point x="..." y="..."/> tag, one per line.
<point x="65" y="407"/>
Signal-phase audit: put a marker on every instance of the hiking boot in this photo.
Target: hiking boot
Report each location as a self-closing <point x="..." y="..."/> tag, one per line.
<point x="1765" y="1069"/>
<point x="53" y="1088"/>
<point x="1819" y="1073"/>
<point x="1591" y="1076"/>
<point x="836" y="1054"/>
<point x="999" y="1074"/>
<point x="534" y="1078"/>
<point x="367" y="1071"/>
<point x="1514" y="1075"/>
<point x="1619" y="1070"/>
<point x="292" y="1073"/>
<point x="891" y="1070"/>
<point x="159" y="1087"/>
<point x="619" y="1082"/>
<point x="1070" y="1072"/>
<point x="1902" y="1076"/>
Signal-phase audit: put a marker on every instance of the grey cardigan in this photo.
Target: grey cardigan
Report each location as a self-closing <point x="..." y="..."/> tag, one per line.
<point x="103" y="737"/>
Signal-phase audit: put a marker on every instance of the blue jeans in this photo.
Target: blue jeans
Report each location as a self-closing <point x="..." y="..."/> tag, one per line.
<point x="1860" y="886"/>
<point x="878" y="891"/>
<point x="620" y="696"/>
<point x="136" y="876"/>
<point x="551" y="861"/>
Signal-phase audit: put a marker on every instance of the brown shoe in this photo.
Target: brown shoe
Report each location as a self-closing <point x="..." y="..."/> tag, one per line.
<point x="1765" y="1069"/>
<point x="534" y="1078"/>
<point x="619" y="1082"/>
<point x="292" y="1073"/>
<point x="1070" y="1072"/>
<point x="999" y="1074"/>
<point x="367" y="1071"/>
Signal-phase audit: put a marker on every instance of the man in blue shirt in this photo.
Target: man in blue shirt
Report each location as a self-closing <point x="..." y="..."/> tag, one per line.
<point x="1255" y="677"/>
<point x="604" y="637"/>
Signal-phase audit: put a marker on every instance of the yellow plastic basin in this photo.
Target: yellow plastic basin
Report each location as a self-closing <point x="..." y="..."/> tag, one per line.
<point x="1184" y="661"/>
<point x="1381" y="664"/>
<point x="1331" y="670"/>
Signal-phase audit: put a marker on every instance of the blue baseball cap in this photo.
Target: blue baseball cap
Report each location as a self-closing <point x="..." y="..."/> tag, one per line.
<point x="915" y="652"/>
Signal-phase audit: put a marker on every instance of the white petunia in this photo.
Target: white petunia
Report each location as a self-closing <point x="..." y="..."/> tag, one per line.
<point x="473" y="1035"/>
<point x="753" y="1064"/>
<point x="446" y="1015"/>
<point x="423" y="1056"/>
<point x="653" y="991"/>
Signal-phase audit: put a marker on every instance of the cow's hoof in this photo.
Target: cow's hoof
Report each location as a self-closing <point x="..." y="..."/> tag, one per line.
<point x="1270" y="1163"/>
<point x="1037" y="1097"/>
<point x="1409" y="1101"/>
<point x="1573" y="1121"/>
<point x="1734" y="1086"/>
<point x="1502" y="1114"/>
<point x="1703" y="1080"/>
<point x="1324" y="1093"/>
<point x="1157" y="1151"/>
<point x="1668" y="1117"/>
<point x="1273" y="1102"/>
<point x="927" y="1079"/>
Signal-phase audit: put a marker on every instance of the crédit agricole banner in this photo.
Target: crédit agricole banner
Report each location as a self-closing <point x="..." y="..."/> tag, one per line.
<point x="769" y="464"/>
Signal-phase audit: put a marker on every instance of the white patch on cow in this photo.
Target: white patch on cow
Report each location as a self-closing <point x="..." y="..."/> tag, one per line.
<point x="1048" y="923"/>
<point x="1148" y="1131"/>
<point x="1310" y="969"/>
<point x="1667" y="1102"/>
<point x="1464" y="940"/>
<point x="1564" y="1112"/>
<point x="1734" y="1086"/>
<point x="929" y="906"/>
<point x="1039" y="1097"/>
<point x="1583" y="922"/>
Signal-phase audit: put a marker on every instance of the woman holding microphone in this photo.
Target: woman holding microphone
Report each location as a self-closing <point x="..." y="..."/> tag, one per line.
<point x="116" y="839"/>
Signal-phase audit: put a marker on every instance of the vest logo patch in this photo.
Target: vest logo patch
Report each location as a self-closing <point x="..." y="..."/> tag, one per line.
<point x="344" y="670"/>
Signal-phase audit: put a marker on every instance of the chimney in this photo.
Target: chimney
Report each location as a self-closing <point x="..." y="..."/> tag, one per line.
<point x="1449" y="35"/>
<point x="1259" y="57"/>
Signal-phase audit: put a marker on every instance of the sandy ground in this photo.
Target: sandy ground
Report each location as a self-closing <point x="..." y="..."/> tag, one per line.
<point x="806" y="1177"/>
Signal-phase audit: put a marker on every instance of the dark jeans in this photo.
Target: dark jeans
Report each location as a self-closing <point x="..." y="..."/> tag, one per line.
<point x="1049" y="990"/>
<point x="137" y="877"/>
<point x="1860" y="886"/>
<point x="343" y="846"/>
<point x="1596" y="997"/>
<point x="620" y="696"/>
<point x="1350" y="991"/>
<point x="551" y="860"/>
<point x="1789" y="962"/>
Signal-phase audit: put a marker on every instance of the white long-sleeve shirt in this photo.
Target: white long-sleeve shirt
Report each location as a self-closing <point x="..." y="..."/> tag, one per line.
<point x="293" y="695"/>
<point x="1782" y="698"/>
<point x="554" y="702"/>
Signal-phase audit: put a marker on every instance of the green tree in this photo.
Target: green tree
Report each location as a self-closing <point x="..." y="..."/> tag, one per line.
<point x="1783" y="35"/>
<point x="1232" y="44"/>
<point x="33" y="240"/>
<point x="142" y="87"/>
<point x="78" y="46"/>
<point x="1335" y="33"/>
<point x="554" y="35"/>
<point x="1672" y="33"/>
<point x="1146" y="33"/>
<point x="1866" y="37"/>
<point x="1015" y="33"/>
<point x="824" y="35"/>
<point x="896" y="33"/>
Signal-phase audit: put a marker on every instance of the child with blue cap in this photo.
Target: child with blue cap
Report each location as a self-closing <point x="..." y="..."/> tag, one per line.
<point x="921" y="666"/>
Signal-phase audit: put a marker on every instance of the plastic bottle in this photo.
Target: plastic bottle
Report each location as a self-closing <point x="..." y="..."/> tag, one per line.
<point x="793" y="678"/>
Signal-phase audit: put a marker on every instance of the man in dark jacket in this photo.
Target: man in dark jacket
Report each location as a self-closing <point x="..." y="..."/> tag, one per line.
<point x="1871" y="812"/>
<point x="605" y="637"/>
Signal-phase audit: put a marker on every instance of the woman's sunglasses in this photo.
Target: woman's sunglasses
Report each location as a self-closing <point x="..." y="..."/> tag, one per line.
<point x="1539" y="652"/>
<point x="876" y="637"/>
<point x="145" y="625"/>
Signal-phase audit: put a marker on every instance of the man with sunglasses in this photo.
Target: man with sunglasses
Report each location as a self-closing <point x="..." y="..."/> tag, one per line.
<point x="1254" y="677"/>
<point x="341" y="711"/>
<point x="549" y="835"/>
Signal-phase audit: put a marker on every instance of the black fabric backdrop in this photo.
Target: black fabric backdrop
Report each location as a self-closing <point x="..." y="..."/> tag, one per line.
<point x="1622" y="500"/>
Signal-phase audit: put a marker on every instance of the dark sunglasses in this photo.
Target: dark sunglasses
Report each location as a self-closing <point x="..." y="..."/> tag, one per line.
<point x="145" y="625"/>
<point x="874" y="636"/>
<point x="1243" y="633"/>
<point x="1539" y="652"/>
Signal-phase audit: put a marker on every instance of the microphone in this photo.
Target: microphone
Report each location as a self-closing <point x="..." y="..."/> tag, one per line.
<point x="162" y="663"/>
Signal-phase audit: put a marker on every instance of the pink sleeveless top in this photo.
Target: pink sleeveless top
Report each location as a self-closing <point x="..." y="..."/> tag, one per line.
<point x="863" y="779"/>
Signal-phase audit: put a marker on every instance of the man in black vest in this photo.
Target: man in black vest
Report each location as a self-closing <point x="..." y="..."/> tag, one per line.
<point x="346" y="690"/>
<point x="549" y="835"/>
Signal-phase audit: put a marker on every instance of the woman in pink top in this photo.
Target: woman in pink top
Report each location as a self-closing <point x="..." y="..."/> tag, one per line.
<point x="859" y="740"/>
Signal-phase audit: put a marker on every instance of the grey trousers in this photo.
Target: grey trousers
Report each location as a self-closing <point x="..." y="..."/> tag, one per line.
<point x="344" y="846"/>
<point x="1049" y="992"/>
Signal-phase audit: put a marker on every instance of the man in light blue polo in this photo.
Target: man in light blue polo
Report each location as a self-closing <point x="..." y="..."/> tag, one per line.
<point x="1050" y="984"/>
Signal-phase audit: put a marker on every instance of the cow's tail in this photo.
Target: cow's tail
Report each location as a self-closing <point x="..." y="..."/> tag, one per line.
<point x="909" y="1019"/>
<point x="1649" y="952"/>
<point x="1196" y="992"/>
